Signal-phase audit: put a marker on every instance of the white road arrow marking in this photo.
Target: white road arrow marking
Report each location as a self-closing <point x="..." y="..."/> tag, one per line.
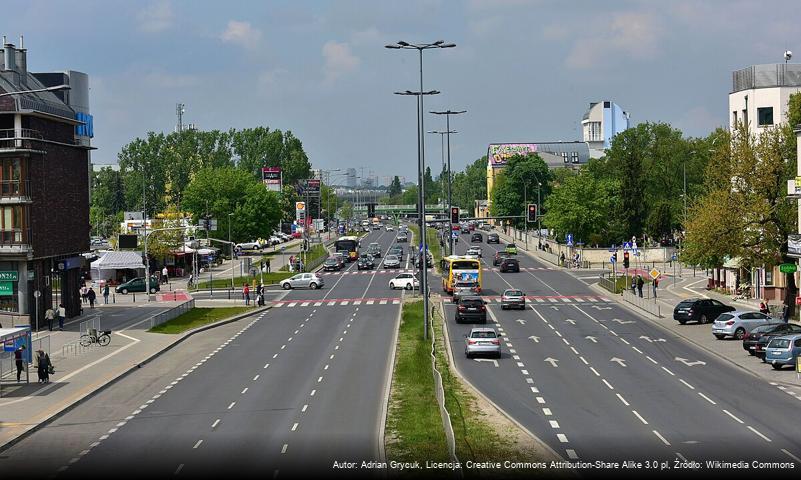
<point x="689" y="363"/>
<point x="552" y="361"/>
<point x="494" y="362"/>
<point x="520" y="321"/>
<point x="555" y="308"/>
<point x="622" y="322"/>
<point x="652" y="340"/>
<point x="619" y="361"/>
<point x="592" y="339"/>
<point x="573" y="322"/>
<point x="601" y="308"/>
<point x="536" y="339"/>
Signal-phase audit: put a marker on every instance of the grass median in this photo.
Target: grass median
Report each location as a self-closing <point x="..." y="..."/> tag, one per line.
<point x="223" y="283"/>
<point x="197" y="317"/>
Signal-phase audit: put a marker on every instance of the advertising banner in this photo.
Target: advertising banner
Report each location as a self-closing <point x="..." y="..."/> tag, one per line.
<point x="794" y="245"/>
<point x="313" y="186"/>
<point x="466" y="276"/>
<point x="271" y="176"/>
<point x="499" y="153"/>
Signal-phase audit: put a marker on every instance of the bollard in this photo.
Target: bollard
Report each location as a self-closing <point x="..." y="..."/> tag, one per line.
<point x="229" y="293"/>
<point x="134" y="297"/>
<point x="113" y="298"/>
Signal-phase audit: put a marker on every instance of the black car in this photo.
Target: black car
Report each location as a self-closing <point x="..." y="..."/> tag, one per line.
<point x="471" y="309"/>
<point x="331" y="265"/>
<point x="701" y="310"/>
<point x="365" y="262"/>
<point x="493" y="238"/>
<point x="476" y="237"/>
<point x="759" y="337"/>
<point x="499" y="257"/>
<point x="510" y="265"/>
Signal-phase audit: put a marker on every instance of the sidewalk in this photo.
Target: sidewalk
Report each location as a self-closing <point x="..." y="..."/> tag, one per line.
<point x="81" y="371"/>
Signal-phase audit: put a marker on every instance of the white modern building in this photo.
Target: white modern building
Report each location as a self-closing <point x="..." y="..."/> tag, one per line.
<point x="760" y="94"/>
<point x="601" y="123"/>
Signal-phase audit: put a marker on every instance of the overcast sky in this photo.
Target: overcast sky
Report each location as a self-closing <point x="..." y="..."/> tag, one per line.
<point x="526" y="70"/>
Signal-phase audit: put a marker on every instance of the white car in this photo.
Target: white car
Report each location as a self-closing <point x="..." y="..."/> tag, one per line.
<point x="404" y="280"/>
<point x="390" y="228"/>
<point x="474" y="251"/>
<point x="248" y="246"/>
<point x="274" y="240"/>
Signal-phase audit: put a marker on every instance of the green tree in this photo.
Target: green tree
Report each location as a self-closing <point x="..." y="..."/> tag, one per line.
<point x="346" y="212"/>
<point x="432" y="187"/>
<point x="522" y="178"/>
<point x="395" y="188"/>
<point x="470" y="185"/>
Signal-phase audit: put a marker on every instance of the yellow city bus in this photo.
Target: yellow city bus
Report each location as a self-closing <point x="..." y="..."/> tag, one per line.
<point x="349" y="244"/>
<point x="462" y="270"/>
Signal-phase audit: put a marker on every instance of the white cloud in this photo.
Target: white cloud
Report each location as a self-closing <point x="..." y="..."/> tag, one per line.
<point x="156" y="17"/>
<point x="338" y="60"/>
<point x="242" y="34"/>
<point x="634" y="35"/>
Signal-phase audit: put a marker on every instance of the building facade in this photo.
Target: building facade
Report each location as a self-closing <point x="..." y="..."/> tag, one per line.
<point x="44" y="188"/>
<point x="760" y="94"/>
<point x="602" y="121"/>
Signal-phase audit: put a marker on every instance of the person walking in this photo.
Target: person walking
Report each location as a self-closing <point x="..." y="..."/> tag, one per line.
<point x="164" y="275"/>
<point x="562" y="259"/>
<point x="633" y="285"/>
<point x="43" y="366"/>
<point x="655" y="284"/>
<point x="91" y="296"/>
<point x="786" y="313"/>
<point x="640" y="283"/>
<point x="267" y="263"/>
<point x="18" y="355"/>
<point x="83" y="293"/>
<point x="260" y="295"/>
<point x="62" y="313"/>
<point x="246" y="293"/>
<point x="763" y="307"/>
<point x="50" y="315"/>
<point x="105" y="292"/>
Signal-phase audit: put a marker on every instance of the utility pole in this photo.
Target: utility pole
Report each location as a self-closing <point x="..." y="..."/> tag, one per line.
<point x="179" y="111"/>
<point x="448" y="132"/>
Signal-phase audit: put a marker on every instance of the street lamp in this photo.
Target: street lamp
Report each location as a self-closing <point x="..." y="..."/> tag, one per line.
<point x="421" y="158"/>
<point x="38" y="90"/>
<point x="230" y="214"/>
<point x="448" y="114"/>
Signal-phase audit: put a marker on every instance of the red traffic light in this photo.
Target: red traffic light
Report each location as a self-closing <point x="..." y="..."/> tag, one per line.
<point x="532" y="212"/>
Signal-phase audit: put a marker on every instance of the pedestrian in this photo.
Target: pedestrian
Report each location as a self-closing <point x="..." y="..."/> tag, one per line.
<point x="83" y="293"/>
<point x="246" y="293"/>
<point x="43" y="366"/>
<point x="655" y="284"/>
<point x="267" y="263"/>
<point x="50" y="315"/>
<point x="164" y="273"/>
<point x="260" y="295"/>
<point x="291" y="263"/>
<point x="640" y="283"/>
<point x="189" y="282"/>
<point x="18" y="360"/>
<point x="105" y="292"/>
<point x="633" y="285"/>
<point x="91" y="296"/>
<point x="62" y="312"/>
<point x="763" y="307"/>
<point x="562" y="259"/>
<point x="786" y="313"/>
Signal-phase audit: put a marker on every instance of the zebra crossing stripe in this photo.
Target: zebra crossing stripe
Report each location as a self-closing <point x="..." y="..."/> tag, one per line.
<point x="305" y="304"/>
<point x="357" y="302"/>
<point x="539" y="300"/>
<point x="332" y="303"/>
<point x="277" y="304"/>
<point x="370" y="302"/>
<point x="382" y="302"/>
<point x="317" y="304"/>
<point x="344" y="303"/>
<point x="578" y="299"/>
<point x="553" y="300"/>
<point x="591" y="299"/>
<point x="566" y="300"/>
<point x="292" y="304"/>
<point x="396" y="302"/>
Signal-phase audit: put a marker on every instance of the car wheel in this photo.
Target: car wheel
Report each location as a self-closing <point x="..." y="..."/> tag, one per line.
<point x="704" y="319"/>
<point x="682" y="322"/>
<point x="392" y="285"/>
<point x="286" y="286"/>
<point x="152" y="289"/>
<point x="124" y="291"/>
<point x="503" y="307"/>
<point x="408" y="286"/>
<point x="751" y="352"/>
<point x="467" y="354"/>
<point x="313" y="286"/>
<point x="776" y="366"/>
<point x="739" y="333"/>
<point x="719" y="336"/>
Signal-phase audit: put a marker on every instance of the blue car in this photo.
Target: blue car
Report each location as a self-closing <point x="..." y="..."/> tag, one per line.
<point x="783" y="351"/>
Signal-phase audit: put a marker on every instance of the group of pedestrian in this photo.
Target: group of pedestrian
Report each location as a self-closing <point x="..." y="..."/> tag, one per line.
<point x="88" y="295"/>
<point x="44" y="367"/>
<point x="58" y="314"/>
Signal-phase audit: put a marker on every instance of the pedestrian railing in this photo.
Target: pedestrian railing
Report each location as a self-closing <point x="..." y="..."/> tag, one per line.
<point x="174" y="312"/>
<point x="75" y="348"/>
<point x="607" y="283"/>
<point x="650" y="305"/>
<point x="89" y="323"/>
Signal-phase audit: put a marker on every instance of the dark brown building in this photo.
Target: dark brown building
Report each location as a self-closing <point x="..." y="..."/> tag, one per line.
<point x="44" y="188"/>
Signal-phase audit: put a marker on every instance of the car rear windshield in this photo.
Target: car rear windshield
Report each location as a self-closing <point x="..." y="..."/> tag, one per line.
<point x="724" y="316"/>
<point x="472" y="301"/>
<point x="686" y="304"/>
<point x="779" y="343"/>
<point x="483" y="335"/>
<point x="513" y="293"/>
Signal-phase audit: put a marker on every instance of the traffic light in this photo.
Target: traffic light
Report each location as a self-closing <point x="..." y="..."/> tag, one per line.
<point x="454" y="214"/>
<point x="615" y="257"/>
<point x="625" y="259"/>
<point x="532" y="212"/>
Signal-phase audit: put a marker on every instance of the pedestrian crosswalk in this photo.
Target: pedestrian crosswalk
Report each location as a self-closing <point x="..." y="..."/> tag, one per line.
<point x="549" y="300"/>
<point x="335" y="302"/>
<point x="395" y="271"/>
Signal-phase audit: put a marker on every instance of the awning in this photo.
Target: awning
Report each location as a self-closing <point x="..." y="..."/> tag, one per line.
<point x="119" y="260"/>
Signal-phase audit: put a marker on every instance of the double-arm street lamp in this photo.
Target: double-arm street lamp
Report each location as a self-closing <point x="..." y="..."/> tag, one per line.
<point x="448" y="132"/>
<point x="38" y="90"/>
<point x="402" y="45"/>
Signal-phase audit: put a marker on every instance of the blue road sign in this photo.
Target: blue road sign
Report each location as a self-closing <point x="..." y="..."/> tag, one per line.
<point x="569" y="239"/>
<point x="627" y="246"/>
<point x="674" y="257"/>
<point x="454" y="234"/>
<point x="612" y="259"/>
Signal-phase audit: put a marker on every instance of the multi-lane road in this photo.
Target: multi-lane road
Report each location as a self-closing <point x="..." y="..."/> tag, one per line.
<point x="286" y="391"/>
<point x="597" y="382"/>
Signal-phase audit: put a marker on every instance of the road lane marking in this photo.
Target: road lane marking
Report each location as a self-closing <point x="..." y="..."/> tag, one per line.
<point x="294" y="427"/>
<point x="283" y="449"/>
<point x="733" y="416"/>
<point x="571" y="454"/>
<point x="216" y="422"/>
<point x="319" y="379"/>
<point x="652" y="360"/>
<point x="524" y="372"/>
<point x="529" y="380"/>
<point x="312" y="393"/>
<point x="707" y="398"/>
<point x="178" y="470"/>
<point x="562" y="437"/>
<point x="540" y="400"/>
<point x="231" y="405"/>
<point x="303" y="410"/>
<point x="535" y="390"/>
<point x="547" y="412"/>
<point x="637" y="350"/>
<point x="326" y="367"/>
<point x="622" y="399"/>
<point x="791" y="455"/>
<point x="595" y="371"/>
<point x="554" y="423"/>
<point x="661" y="438"/>
<point x="197" y="444"/>
<point x="625" y="341"/>
<point x="574" y="350"/>
<point x="639" y="416"/>
<point x="668" y="371"/>
<point x="266" y="365"/>
<point x="608" y="384"/>
<point x="757" y="432"/>
<point x="244" y="391"/>
<point x="688" y="385"/>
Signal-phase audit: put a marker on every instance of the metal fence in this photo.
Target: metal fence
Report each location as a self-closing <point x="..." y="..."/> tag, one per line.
<point x="172" y="313"/>
<point x="607" y="283"/>
<point x="650" y="305"/>
<point x="89" y="323"/>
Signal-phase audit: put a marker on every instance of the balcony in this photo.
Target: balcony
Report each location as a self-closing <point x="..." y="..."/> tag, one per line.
<point x="20" y="139"/>
<point x="15" y="241"/>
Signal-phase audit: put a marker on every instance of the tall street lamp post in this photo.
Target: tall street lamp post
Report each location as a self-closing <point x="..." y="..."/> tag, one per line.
<point x="448" y="131"/>
<point x="421" y="160"/>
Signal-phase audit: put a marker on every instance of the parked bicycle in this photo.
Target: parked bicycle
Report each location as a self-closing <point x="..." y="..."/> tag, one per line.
<point x="744" y="293"/>
<point x="102" y="339"/>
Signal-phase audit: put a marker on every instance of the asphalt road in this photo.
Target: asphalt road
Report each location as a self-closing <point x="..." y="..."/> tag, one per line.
<point x="282" y="393"/>
<point x="597" y="382"/>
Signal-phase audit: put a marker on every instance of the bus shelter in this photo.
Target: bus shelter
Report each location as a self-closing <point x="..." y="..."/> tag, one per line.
<point x="12" y="340"/>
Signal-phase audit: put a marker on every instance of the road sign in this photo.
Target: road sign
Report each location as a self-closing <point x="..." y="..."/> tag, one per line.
<point x="455" y="234"/>
<point x="37" y="293"/>
<point x="626" y="246"/>
<point x="569" y="239"/>
<point x="6" y="288"/>
<point x="612" y="259"/>
<point x="788" y="267"/>
<point x="654" y="273"/>
<point x="674" y="257"/>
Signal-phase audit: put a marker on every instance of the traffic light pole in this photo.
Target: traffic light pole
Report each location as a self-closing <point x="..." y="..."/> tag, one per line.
<point x="525" y="217"/>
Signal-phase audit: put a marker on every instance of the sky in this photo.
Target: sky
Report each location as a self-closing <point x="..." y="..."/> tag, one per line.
<point x="525" y="70"/>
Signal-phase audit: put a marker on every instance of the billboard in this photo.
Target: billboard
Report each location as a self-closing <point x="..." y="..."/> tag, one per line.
<point x="313" y="186"/>
<point x="271" y="176"/>
<point x="499" y="153"/>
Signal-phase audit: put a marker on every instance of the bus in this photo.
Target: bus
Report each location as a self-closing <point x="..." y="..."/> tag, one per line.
<point x="349" y="244"/>
<point x="462" y="270"/>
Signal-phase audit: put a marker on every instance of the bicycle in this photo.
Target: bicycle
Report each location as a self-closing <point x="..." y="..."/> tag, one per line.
<point x="92" y="337"/>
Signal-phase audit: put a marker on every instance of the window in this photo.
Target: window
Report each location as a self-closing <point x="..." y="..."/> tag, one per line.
<point x="564" y="156"/>
<point x="734" y="117"/>
<point x="769" y="276"/>
<point x="11" y="224"/>
<point x="574" y="157"/>
<point x="765" y="116"/>
<point x="10" y="176"/>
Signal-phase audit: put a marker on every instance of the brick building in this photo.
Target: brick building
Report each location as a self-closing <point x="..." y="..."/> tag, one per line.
<point x="44" y="188"/>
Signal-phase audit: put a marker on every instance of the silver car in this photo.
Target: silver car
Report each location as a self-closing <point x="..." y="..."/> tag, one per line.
<point x="737" y="324"/>
<point x="467" y="289"/>
<point x="482" y="341"/>
<point x="513" y="298"/>
<point x="303" y="280"/>
<point x="391" y="261"/>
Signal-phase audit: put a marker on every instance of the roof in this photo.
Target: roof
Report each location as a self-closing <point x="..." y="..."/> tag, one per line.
<point x="119" y="260"/>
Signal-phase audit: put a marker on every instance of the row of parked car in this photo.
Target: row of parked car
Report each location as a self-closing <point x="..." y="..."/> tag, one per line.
<point x="261" y="243"/>
<point x="774" y="341"/>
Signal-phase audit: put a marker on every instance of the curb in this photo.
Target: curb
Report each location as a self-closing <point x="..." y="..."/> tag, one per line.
<point x="382" y="446"/>
<point x="89" y="395"/>
<point x="651" y="319"/>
